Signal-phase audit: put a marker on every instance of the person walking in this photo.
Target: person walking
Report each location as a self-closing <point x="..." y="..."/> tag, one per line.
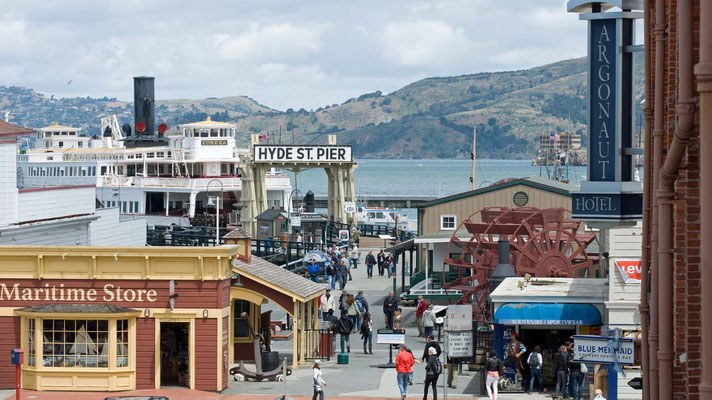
<point x="357" y="236"/>
<point x="576" y="378"/>
<point x="319" y="383"/>
<point x="328" y="303"/>
<point x="398" y="319"/>
<point x="404" y="366"/>
<point x="362" y="305"/>
<point x="331" y="322"/>
<point x="535" y="361"/>
<point x="422" y="306"/>
<point x="429" y="320"/>
<point x="352" y="311"/>
<point x="299" y="244"/>
<point x="354" y="256"/>
<point x="433" y="369"/>
<point x="381" y="259"/>
<point x="561" y="370"/>
<point x="346" y="326"/>
<point x="389" y="265"/>
<point x="342" y="273"/>
<point x="367" y="333"/>
<point x="370" y="262"/>
<point x="330" y="274"/>
<point x="569" y="382"/>
<point x="452" y="366"/>
<point x="431" y="343"/>
<point x="389" y="307"/>
<point x="492" y="366"/>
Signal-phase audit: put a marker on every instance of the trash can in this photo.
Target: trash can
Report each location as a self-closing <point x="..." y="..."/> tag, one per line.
<point x="326" y="344"/>
<point x="270" y="360"/>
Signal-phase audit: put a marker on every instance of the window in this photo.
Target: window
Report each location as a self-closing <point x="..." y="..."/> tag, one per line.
<point x="80" y="144"/>
<point x="75" y="343"/>
<point x="242" y="330"/>
<point x="31" y="342"/>
<point x="61" y="144"/>
<point x="122" y="343"/>
<point x="447" y="222"/>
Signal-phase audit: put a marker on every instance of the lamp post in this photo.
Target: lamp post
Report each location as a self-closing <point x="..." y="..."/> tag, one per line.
<point x="217" y="209"/>
<point x="289" y="200"/>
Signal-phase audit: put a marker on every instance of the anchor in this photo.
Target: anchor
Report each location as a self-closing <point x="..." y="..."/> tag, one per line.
<point x="259" y="345"/>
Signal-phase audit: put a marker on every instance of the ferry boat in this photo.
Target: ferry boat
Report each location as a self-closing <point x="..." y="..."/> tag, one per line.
<point x="384" y="216"/>
<point x="168" y="180"/>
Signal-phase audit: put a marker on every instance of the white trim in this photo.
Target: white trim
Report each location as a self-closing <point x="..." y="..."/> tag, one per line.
<point x="454" y="222"/>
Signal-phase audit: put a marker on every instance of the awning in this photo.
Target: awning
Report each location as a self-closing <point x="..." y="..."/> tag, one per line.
<point x="547" y="314"/>
<point x="401" y="247"/>
<point x="442" y="236"/>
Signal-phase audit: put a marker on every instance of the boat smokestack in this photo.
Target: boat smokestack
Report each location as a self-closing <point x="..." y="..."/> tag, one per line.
<point x="504" y="269"/>
<point x="144" y="105"/>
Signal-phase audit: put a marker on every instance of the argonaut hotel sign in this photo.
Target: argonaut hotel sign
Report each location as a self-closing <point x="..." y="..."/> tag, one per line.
<point x="611" y="194"/>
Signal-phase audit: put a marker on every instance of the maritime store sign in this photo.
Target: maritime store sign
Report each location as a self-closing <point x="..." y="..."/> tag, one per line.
<point x="302" y="154"/>
<point x="59" y="293"/>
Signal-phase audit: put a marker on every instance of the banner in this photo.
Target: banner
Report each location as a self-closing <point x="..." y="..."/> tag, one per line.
<point x="629" y="269"/>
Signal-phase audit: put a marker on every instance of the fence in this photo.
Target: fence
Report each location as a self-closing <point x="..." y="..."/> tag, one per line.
<point x="322" y="341"/>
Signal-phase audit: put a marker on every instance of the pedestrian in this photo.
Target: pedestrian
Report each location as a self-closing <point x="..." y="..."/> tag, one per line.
<point x="299" y="244"/>
<point x="381" y="259"/>
<point x="404" y="366"/>
<point x="599" y="395"/>
<point x="361" y="302"/>
<point x="452" y="366"/>
<point x="332" y="323"/>
<point x="431" y="343"/>
<point x="352" y="311"/>
<point x="346" y="326"/>
<point x="576" y="378"/>
<point x="328" y="303"/>
<point x="347" y="265"/>
<point x="429" y="320"/>
<point x="389" y="265"/>
<point x="561" y="370"/>
<point x="342" y="273"/>
<point x="535" y="361"/>
<point x="370" y="262"/>
<point x="354" y="256"/>
<point x="420" y="309"/>
<point x="492" y="366"/>
<point x="398" y="319"/>
<point x="319" y="383"/>
<point x="389" y="307"/>
<point x="357" y="236"/>
<point x="367" y="333"/>
<point x="330" y="274"/>
<point x="342" y="302"/>
<point x="569" y="382"/>
<point x="313" y="270"/>
<point x="433" y="369"/>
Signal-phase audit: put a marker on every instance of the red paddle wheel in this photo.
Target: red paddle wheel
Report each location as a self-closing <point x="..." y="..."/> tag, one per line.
<point x="543" y="243"/>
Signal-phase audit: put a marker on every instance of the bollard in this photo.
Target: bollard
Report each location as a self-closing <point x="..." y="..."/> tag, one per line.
<point x="343" y="357"/>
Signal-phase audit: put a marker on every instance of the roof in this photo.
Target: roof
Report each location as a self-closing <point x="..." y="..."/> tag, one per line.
<point x="237" y="233"/>
<point x="535" y="182"/>
<point x="443" y="236"/>
<point x="271" y="214"/>
<point x="279" y="278"/>
<point x="400" y="247"/>
<point x="90" y="308"/>
<point x="208" y="123"/>
<point x="57" y="127"/>
<point x="8" y="131"/>
<point x="575" y="290"/>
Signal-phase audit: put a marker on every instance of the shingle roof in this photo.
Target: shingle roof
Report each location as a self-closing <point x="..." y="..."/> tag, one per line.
<point x="237" y="233"/>
<point x="77" y="308"/>
<point x="288" y="282"/>
<point x="270" y="215"/>
<point x="8" y="131"/>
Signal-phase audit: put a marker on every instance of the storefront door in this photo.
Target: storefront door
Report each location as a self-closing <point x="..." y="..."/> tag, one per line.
<point x="175" y="354"/>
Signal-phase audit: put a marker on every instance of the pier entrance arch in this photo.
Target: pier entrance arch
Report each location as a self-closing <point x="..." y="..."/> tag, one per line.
<point x="336" y="160"/>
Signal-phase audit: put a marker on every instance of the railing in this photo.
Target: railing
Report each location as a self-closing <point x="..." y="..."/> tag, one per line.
<point x="322" y="341"/>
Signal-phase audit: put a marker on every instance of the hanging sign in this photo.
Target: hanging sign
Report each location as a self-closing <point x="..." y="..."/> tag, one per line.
<point x="602" y="80"/>
<point x="603" y="350"/>
<point x="459" y="318"/>
<point x="629" y="270"/>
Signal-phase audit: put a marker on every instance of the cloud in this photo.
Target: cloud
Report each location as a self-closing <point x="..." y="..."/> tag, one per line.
<point x="424" y="42"/>
<point x="273" y="41"/>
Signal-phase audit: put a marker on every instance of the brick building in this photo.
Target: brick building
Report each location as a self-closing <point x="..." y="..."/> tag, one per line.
<point x="678" y="164"/>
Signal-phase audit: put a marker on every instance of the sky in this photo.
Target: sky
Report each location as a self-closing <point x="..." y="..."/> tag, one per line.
<point x="283" y="54"/>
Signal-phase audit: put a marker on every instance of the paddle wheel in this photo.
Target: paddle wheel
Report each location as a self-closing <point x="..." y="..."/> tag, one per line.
<point x="543" y="243"/>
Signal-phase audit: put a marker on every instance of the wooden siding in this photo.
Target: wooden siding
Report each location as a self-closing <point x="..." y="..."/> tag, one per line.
<point x="463" y="208"/>
<point x="206" y="348"/>
<point x="45" y="204"/>
<point x="10" y="339"/>
<point x="145" y="348"/>
<point x="225" y="362"/>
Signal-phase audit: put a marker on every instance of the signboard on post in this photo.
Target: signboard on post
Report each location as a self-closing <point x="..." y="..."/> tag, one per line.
<point x="459" y="344"/>
<point x="349" y="207"/>
<point x="459" y="318"/>
<point x="598" y="350"/>
<point x="390" y="336"/>
<point x="265" y="153"/>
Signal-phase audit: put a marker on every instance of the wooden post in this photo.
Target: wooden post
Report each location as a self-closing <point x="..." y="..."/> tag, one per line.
<point x="302" y="328"/>
<point x="474" y="155"/>
<point x="294" y="336"/>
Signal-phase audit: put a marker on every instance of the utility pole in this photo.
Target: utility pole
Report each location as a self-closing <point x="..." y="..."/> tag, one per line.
<point x="474" y="155"/>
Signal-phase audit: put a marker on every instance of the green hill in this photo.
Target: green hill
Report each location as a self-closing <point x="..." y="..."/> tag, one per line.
<point x="430" y="118"/>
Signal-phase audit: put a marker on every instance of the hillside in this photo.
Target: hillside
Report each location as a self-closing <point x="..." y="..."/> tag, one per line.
<point x="430" y="118"/>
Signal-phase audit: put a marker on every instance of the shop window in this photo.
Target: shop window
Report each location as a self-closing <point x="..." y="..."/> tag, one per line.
<point x="447" y="222"/>
<point x="75" y="343"/>
<point x="122" y="343"/>
<point x="31" y="342"/>
<point x="242" y="330"/>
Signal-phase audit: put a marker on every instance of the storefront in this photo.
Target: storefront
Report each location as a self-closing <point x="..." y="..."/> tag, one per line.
<point x="546" y="312"/>
<point x="119" y="318"/>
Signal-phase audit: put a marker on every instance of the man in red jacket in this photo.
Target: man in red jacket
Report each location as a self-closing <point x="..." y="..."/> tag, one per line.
<point x="404" y="366"/>
<point x="422" y="306"/>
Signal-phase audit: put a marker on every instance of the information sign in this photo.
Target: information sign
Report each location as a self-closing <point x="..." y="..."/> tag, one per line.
<point x="297" y="153"/>
<point x="349" y="207"/>
<point x="390" y="336"/>
<point x="459" y="318"/>
<point x="595" y="349"/>
<point x="459" y="344"/>
<point x="629" y="269"/>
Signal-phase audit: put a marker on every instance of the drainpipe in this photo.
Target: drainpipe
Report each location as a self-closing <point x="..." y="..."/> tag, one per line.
<point x="703" y="71"/>
<point x="647" y="182"/>
<point x="685" y="110"/>
<point x="658" y="133"/>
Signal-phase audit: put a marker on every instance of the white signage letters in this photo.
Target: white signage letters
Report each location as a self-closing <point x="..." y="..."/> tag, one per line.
<point x="60" y="293"/>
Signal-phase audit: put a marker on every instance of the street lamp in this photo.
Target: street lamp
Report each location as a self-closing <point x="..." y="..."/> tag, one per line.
<point x="289" y="201"/>
<point x="217" y="208"/>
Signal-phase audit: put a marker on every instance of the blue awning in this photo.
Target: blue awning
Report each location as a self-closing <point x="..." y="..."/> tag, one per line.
<point x="547" y="314"/>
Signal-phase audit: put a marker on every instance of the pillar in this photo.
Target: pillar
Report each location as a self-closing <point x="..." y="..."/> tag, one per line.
<point x="295" y="353"/>
<point x="302" y="328"/>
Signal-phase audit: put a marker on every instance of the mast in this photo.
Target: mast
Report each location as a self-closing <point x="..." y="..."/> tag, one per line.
<point x="474" y="154"/>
